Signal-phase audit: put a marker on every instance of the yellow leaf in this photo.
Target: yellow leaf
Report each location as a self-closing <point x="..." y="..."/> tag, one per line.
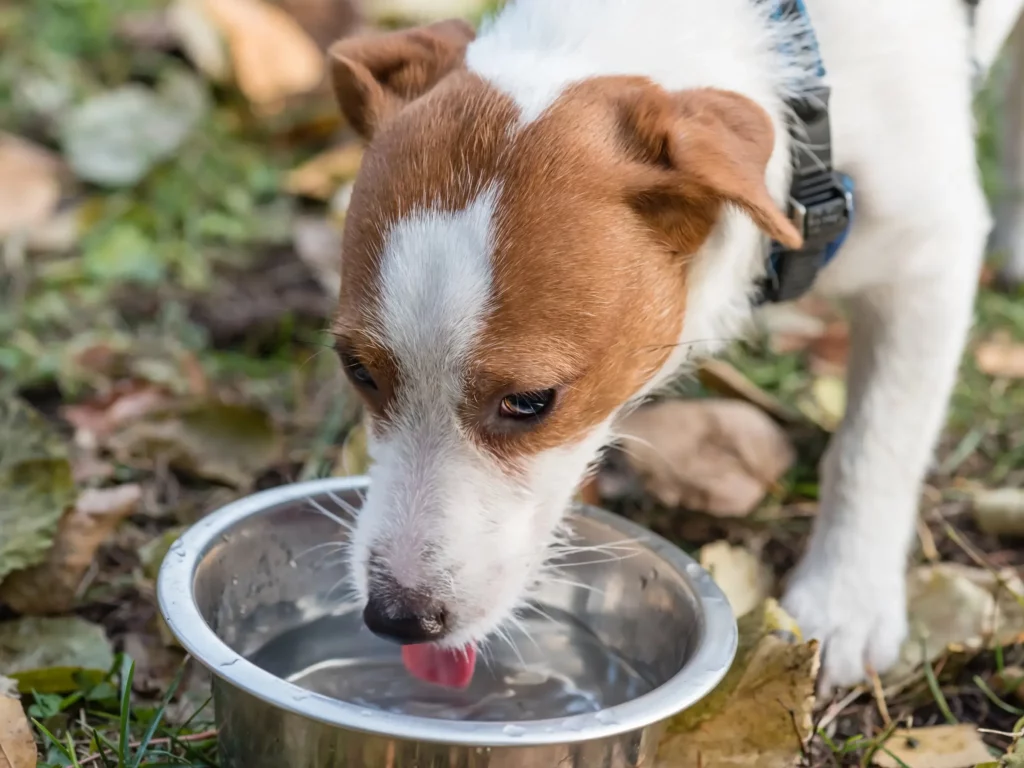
<point x="321" y="176"/>
<point x="1000" y="357"/>
<point x="825" y="404"/>
<point x="271" y="56"/>
<point x="746" y="581"/>
<point x="760" y="714"/>
<point x="940" y="746"/>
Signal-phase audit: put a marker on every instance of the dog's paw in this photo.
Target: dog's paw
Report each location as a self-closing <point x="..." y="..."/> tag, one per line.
<point x="858" y="614"/>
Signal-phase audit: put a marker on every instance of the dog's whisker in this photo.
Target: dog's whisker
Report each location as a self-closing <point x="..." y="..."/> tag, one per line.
<point x="348" y="526"/>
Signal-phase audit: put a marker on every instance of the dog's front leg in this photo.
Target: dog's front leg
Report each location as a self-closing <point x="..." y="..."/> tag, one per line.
<point x="906" y="342"/>
<point x="1008" y="236"/>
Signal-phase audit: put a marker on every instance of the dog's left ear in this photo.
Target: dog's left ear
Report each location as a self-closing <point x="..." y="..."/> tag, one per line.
<point x="374" y="76"/>
<point x="690" y="152"/>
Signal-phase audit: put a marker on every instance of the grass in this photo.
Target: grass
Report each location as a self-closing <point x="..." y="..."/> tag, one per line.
<point x="202" y="220"/>
<point x="101" y="725"/>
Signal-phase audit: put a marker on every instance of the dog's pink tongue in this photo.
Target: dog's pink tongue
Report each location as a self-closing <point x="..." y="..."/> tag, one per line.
<point x="452" y="668"/>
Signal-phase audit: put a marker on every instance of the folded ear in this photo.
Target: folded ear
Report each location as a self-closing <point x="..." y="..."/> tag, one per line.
<point x="374" y="76"/>
<point x="694" y="150"/>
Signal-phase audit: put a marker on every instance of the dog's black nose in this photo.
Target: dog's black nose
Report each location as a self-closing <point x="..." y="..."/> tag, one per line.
<point x="405" y="619"/>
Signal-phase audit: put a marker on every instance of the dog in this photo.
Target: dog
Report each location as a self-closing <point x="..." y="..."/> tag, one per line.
<point x="558" y="214"/>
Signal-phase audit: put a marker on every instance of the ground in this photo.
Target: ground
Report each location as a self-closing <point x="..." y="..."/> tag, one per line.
<point x="168" y="247"/>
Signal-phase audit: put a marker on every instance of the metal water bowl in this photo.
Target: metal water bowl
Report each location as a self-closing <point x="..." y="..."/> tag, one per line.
<point x="253" y="592"/>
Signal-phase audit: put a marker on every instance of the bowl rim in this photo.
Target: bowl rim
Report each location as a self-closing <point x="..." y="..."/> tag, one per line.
<point x="706" y="667"/>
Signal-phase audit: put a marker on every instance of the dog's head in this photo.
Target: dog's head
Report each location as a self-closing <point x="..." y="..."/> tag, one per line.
<point x="507" y="286"/>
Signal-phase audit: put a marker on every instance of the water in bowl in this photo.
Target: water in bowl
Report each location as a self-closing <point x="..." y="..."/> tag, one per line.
<point x="550" y="667"/>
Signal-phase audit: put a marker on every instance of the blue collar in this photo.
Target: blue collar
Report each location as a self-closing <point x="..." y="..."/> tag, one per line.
<point x="820" y="200"/>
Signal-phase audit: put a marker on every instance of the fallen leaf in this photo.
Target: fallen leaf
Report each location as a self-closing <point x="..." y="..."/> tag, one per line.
<point x="938" y="746"/>
<point x="718" y="456"/>
<point x="96" y="421"/>
<point x="325" y="20"/>
<point x="54" y="655"/>
<point x="52" y="586"/>
<point x="318" y="244"/>
<point x="958" y="608"/>
<point x="744" y="578"/>
<point x="153" y="553"/>
<point x="272" y="58"/>
<point x="412" y="11"/>
<point x="35" y="485"/>
<point x="29" y="185"/>
<point x="17" y="745"/>
<point x="200" y="39"/>
<point x="1002" y="358"/>
<point x="320" y="176"/>
<point x="1000" y="511"/>
<point x="114" y="138"/>
<point x="825" y="403"/>
<point x="218" y="441"/>
<point x="760" y="714"/>
<point x="724" y="379"/>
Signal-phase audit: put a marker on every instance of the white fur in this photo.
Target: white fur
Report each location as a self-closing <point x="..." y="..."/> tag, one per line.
<point x="901" y="73"/>
<point x="443" y="516"/>
<point x="1008" y="238"/>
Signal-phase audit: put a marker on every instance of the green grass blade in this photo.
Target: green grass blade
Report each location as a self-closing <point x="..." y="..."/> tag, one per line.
<point x="933" y="686"/>
<point x="157" y="718"/>
<point x="124" y="747"/>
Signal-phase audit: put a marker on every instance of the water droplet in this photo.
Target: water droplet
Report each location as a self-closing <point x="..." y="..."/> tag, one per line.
<point x="513" y="730"/>
<point x="234" y="581"/>
<point x="604" y="717"/>
<point x="693" y="570"/>
<point x="292" y="564"/>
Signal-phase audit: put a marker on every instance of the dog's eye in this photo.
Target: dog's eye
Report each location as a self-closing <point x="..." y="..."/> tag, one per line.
<point x="357" y="372"/>
<point x="526" y="405"/>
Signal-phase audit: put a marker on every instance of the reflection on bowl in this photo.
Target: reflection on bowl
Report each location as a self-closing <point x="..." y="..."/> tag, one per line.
<point x="257" y="593"/>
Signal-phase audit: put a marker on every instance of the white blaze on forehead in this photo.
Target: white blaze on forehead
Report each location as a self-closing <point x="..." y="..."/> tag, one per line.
<point x="435" y="293"/>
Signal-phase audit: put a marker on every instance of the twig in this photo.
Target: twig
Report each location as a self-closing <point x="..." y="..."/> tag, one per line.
<point x="203" y="736"/>
<point x="876" y="687"/>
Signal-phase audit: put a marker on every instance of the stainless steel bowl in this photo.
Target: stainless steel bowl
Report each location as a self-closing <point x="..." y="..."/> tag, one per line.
<point x="252" y="592"/>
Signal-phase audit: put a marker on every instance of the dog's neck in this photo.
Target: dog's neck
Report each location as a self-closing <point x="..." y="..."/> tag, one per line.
<point x="535" y="48"/>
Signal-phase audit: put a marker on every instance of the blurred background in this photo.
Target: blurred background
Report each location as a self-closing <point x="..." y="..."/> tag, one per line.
<point x="173" y="185"/>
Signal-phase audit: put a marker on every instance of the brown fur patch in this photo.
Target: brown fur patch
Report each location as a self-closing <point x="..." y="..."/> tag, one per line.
<point x="602" y="201"/>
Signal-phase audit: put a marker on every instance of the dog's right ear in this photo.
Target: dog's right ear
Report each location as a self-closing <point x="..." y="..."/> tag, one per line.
<point x="374" y="76"/>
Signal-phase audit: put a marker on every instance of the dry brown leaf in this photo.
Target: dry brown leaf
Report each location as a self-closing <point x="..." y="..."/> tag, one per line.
<point x="29" y="184"/>
<point x="718" y="456"/>
<point x="724" y="379"/>
<point x="1002" y="358"/>
<point x="761" y="713"/>
<point x="320" y="176"/>
<point x="325" y="20"/>
<point x="955" y="607"/>
<point x="272" y="57"/>
<point x="744" y="578"/>
<point x="200" y="39"/>
<point x="938" y="746"/>
<point x="52" y="586"/>
<point x="96" y="421"/>
<point x="17" y="746"/>
<point x="1000" y="511"/>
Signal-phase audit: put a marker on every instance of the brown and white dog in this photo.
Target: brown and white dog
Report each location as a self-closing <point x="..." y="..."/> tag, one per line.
<point x="557" y="214"/>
